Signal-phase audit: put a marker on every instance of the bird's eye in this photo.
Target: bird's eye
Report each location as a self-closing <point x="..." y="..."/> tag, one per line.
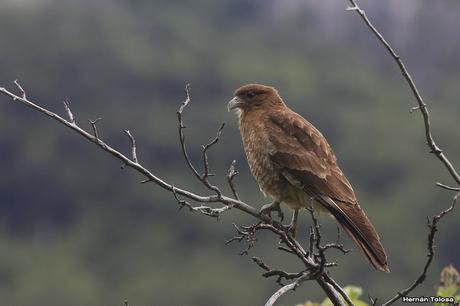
<point x="250" y="94"/>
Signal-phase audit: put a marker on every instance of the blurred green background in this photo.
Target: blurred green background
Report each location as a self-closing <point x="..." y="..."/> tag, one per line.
<point x="77" y="230"/>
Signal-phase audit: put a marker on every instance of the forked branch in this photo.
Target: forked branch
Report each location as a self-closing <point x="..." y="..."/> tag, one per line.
<point x="313" y="270"/>
<point x="418" y="97"/>
<point x="421" y="105"/>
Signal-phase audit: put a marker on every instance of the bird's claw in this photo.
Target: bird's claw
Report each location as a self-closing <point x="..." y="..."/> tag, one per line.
<point x="268" y="208"/>
<point x="291" y="228"/>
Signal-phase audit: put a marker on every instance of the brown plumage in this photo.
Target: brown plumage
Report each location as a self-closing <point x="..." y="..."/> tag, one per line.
<point x="293" y="163"/>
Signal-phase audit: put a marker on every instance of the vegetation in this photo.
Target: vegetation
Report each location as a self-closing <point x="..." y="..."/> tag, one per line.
<point x="449" y="287"/>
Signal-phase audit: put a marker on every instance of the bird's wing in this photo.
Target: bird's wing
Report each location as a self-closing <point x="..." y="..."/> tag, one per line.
<point x="302" y="151"/>
<point x="308" y="162"/>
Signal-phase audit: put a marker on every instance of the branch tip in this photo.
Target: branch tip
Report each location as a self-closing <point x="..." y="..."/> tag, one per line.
<point x="447" y="187"/>
<point x="16" y="82"/>
<point x="133" y="146"/>
<point x="69" y="111"/>
<point x="93" y="125"/>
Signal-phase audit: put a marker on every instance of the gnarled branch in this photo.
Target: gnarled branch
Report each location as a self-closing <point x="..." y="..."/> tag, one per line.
<point x="182" y="195"/>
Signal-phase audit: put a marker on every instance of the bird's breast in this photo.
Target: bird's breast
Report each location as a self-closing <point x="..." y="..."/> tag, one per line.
<point x="258" y="149"/>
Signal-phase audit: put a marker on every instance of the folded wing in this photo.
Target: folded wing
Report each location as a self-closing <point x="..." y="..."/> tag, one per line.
<point x="308" y="162"/>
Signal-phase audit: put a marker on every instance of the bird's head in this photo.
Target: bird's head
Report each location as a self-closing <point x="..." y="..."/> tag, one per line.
<point x="254" y="96"/>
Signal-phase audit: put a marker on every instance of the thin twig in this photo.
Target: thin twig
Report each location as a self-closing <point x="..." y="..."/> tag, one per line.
<point x="181" y="132"/>
<point x="230" y="176"/>
<point x="372" y="300"/>
<point x="16" y="82"/>
<point x="315" y="243"/>
<point x="285" y="249"/>
<point x="69" y="111"/>
<point x="133" y="146"/>
<point x="202" y="177"/>
<point x="205" y="149"/>
<point x="94" y="127"/>
<point x="205" y="210"/>
<point x="339" y="289"/>
<point x="433" y="228"/>
<point x="309" y="262"/>
<point x="206" y="174"/>
<point x="280" y="274"/>
<point x="286" y="288"/>
<point x="247" y="233"/>
<point x="447" y="187"/>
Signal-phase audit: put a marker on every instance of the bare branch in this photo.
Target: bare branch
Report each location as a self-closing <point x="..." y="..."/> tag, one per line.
<point x="181" y="132"/>
<point x="205" y="149"/>
<point x="280" y="292"/>
<point x="248" y="232"/>
<point x="314" y="270"/>
<point x="421" y="104"/>
<point x="447" y="187"/>
<point x="230" y="176"/>
<point x="285" y="249"/>
<point x="433" y="228"/>
<point x="69" y="111"/>
<point x="16" y="82"/>
<point x="202" y="177"/>
<point x="93" y="125"/>
<point x="205" y="210"/>
<point x="336" y="286"/>
<point x="206" y="174"/>
<point x="433" y="223"/>
<point x="284" y="289"/>
<point x="315" y="242"/>
<point x="187" y="99"/>
<point x="372" y="301"/>
<point x="133" y="146"/>
<point x="150" y="177"/>
<point x="280" y="274"/>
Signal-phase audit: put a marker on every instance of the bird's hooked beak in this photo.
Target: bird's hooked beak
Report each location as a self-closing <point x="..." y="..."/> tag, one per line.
<point x="234" y="103"/>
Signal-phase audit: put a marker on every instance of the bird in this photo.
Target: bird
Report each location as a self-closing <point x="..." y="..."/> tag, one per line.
<point x="294" y="164"/>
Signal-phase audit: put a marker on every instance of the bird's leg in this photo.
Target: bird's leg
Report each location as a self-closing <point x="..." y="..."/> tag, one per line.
<point x="293" y="226"/>
<point x="274" y="206"/>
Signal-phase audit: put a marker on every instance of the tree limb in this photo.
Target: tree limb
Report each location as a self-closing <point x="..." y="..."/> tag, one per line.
<point x="421" y="104"/>
<point x="265" y="222"/>
<point x="433" y="228"/>
<point x="433" y="223"/>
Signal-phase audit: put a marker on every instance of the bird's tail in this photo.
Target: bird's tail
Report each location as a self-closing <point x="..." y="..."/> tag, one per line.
<point x="355" y="222"/>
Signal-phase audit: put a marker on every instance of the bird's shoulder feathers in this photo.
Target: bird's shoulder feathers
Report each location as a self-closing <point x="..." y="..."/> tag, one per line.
<point x="303" y="152"/>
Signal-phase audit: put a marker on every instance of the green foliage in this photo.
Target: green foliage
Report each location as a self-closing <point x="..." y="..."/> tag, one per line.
<point x="450" y="284"/>
<point x="353" y="292"/>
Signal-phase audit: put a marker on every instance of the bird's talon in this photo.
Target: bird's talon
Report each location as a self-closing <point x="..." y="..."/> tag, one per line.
<point x="290" y="229"/>
<point x="280" y="214"/>
<point x="268" y="208"/>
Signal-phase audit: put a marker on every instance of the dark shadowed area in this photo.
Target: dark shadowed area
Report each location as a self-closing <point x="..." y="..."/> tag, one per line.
<point x="77" y="230"/>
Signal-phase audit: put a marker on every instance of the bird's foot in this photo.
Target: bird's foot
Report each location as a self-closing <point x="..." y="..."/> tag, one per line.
<point x="268" y="208"/>
<point x="292" y="227"/>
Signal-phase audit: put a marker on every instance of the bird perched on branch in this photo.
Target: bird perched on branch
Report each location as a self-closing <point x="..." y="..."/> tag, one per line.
<point x="294" y="164"/>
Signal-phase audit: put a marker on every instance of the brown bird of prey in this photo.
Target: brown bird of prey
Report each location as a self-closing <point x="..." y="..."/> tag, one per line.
<point x="294" y="164"/>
